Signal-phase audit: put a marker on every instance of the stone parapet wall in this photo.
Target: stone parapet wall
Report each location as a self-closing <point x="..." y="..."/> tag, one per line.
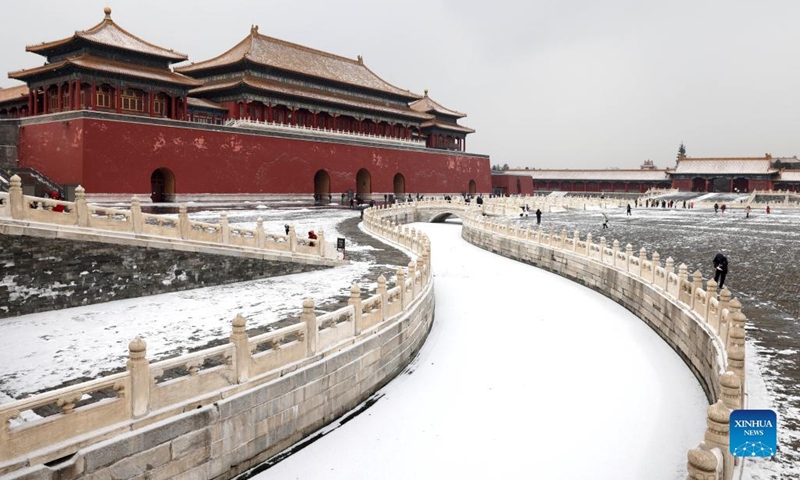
<point x="217" y="412"/>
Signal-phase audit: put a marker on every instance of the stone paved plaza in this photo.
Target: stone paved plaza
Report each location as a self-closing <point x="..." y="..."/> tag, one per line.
<point x="764" y="274"/>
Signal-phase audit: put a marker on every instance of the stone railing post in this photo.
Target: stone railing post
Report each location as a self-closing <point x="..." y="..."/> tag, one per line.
<point x="603" y="245"/>
<point x="563" y="245"/>
<point x="655" y="262"/>
<point x="575" y="239"/>
<point x="628" y="256"/>
<point x="312" y="330"/>
<point x="588" y="244"/>
<point x="401" y="282"/>
<point x="711" y="292"/>
<point x="137" y="220"/>
<point x="355" y="301"/>
<point x="697" y="284"/>
<point x="384" y="295"/>
<point x="614" y="252"/>
<point x="731" y="393"/>
<point x="225" y="229"/>
<point x="261" y="235"/>
<point x="539" y="235"/>
<point x="241" y="343"/>
<point x="642" y="259"/>
<point x="321" y="243"/>
<point x="669" y="269"/>
<point x="683" y="276"/>
<point x="292" y="239"/>
<point x="718" y="420"/>
<point x="704" y="463"/>
<point x="550" y="238"/>
<point x="139" y="371"/>
<point x="412" y="274"/>
<point x="16" y="199"/>
<point x="81" y="208"/>
<point x="724" y="302"/>
<point x="736" y="353"/>
<point x="183" y="221"/>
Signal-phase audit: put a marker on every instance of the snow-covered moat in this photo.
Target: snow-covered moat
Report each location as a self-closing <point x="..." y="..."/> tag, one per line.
<point x="42" y="351"/>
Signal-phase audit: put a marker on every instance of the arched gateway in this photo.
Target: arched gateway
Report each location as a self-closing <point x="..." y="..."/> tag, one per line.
<point x="162" y="185"/>
<point x="399" y="185"/>
<point x="364" y="184"/>
<point x="322" y="187"/>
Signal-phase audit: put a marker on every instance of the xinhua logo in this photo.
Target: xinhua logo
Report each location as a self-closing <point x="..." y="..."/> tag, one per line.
<point x="754" y="433"/>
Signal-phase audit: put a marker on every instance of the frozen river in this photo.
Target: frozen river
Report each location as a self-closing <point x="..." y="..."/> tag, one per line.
<point x="525" y="375"/>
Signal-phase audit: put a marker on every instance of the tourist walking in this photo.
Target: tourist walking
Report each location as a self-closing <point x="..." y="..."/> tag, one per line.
<point x="716" y="207"/>
<point x="722" y="208"/>
<point x="747" y="211"/>
<point x="629" y="209"/>
<point x="720" y="269"/>
<point x="767" y="208"/>
<point x="605" y="221"/>
<point x="538" y="217"/>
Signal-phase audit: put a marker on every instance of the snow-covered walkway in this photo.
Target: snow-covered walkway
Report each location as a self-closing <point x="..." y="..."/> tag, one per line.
<point x="525" y="375"/>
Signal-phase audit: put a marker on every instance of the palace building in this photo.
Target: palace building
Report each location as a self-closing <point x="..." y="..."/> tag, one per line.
<point x="121" y="116"/>
<point x="741" y="174"/>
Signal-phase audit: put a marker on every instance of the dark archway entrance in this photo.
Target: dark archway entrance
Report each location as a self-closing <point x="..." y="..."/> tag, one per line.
<point x="721" y="185"/>
<point x="322" y="187"/>
<point x="399" y="185"/>
<point x="699" y="184"/>
<point x="162" y="185"/>
<point x="741" y="185"/>
<point x="364" y="184"/>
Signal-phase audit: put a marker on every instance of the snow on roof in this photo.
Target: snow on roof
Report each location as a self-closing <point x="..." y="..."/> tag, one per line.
<point x="730" y="166"/>
<point x="10" y="94"/>
<point x="789" y="176"/>
<point x="427" y="105"/>
<point x="110" y="34"/>
<point x="597" y="175"/>
<point x="272" y="52"/>
<point x="101" y="64"/>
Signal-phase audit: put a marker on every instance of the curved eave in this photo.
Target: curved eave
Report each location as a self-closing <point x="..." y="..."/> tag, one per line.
<point x="445" y="126"/>
<point x="108" y="67"/>
<point x="312" y="96"/>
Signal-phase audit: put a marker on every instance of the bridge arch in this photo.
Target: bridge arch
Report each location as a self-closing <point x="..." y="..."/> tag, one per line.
<point x="364" y="184"/>
<point x="162" y="185"/>
<point x="441" y="217"/>
<point x="322" y="186"/>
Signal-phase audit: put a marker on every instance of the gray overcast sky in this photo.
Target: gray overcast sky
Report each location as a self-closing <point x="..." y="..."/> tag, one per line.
<point x="546" y="83"/>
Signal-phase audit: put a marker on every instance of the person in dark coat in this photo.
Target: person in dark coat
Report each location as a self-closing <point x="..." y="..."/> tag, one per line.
<point x="538" y="217"/>
<point x="720" y="269"/>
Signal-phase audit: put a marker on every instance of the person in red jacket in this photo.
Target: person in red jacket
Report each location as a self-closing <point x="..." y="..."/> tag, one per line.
<point x="312" y="236"/>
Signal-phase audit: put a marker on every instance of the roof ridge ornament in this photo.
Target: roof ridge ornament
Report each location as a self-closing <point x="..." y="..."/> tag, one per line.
<point x="253" y="29"/>
<point x="107" y="11"/>
<point x="361" y="60"/>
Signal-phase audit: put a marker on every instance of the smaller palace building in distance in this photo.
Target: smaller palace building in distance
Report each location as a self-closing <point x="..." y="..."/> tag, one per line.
<point x="108" y="111"/>
<point x="742" y="175"/>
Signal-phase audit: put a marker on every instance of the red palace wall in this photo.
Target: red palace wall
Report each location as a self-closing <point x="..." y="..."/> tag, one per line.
<point x="112" y="156"/>
<point x="682" y="185"/>
<point x="513" y="184"/>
